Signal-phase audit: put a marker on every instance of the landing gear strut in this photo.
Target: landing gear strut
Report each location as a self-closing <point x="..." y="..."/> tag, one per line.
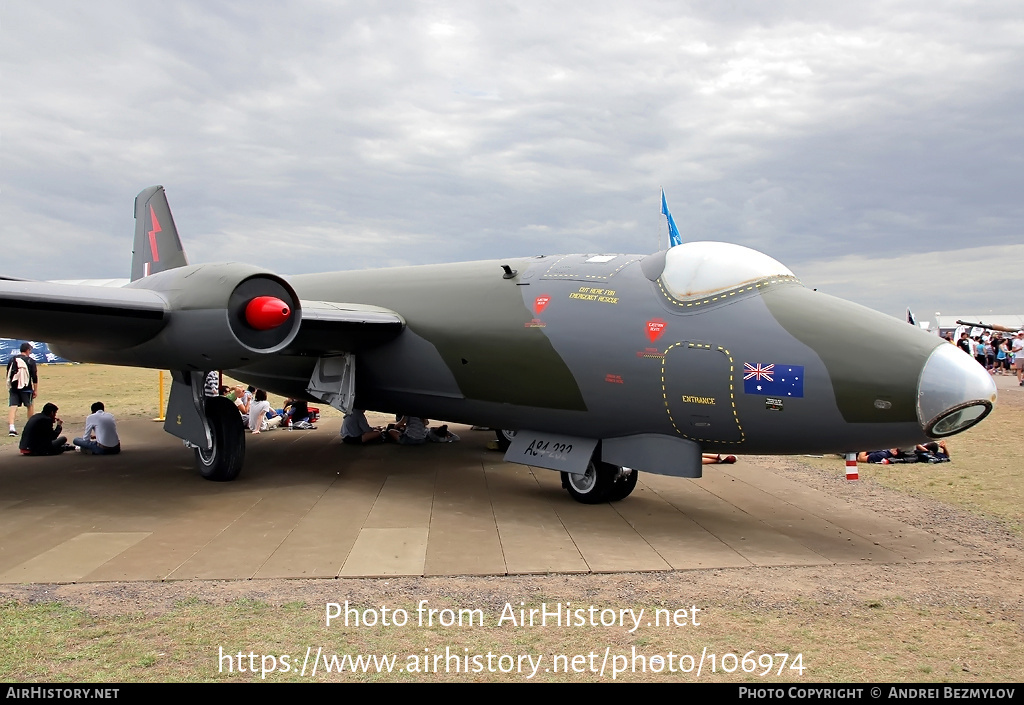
<point x="211" y="426"/>
<point x="625" y="483"/>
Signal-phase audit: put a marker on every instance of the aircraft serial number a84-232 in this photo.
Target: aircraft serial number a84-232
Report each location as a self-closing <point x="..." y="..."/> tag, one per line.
<point x="597" y="366"/>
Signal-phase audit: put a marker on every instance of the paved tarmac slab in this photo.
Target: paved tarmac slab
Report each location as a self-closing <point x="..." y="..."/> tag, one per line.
<point x="308" y="506"/>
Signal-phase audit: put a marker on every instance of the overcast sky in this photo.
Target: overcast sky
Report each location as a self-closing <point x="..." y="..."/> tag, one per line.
<point x="875" y="148"/>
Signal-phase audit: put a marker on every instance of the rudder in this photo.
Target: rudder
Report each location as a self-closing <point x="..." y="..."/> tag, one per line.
<point x="157" y="246"/>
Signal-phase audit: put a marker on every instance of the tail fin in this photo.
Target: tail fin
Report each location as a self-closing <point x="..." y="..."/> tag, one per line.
<point x="157" y="247"/>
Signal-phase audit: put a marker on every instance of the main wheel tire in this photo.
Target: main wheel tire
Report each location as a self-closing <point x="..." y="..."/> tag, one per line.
<point x="624" y="484"/>
<point x="224" y="461"/>
<point x="505" y="437"/>
<point x="593" y="486"/>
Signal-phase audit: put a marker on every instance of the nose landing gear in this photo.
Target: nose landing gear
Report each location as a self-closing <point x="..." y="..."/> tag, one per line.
<point x="602" y="482"/>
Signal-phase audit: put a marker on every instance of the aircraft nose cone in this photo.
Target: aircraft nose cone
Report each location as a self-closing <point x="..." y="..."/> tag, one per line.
<point x="954" y="392"/>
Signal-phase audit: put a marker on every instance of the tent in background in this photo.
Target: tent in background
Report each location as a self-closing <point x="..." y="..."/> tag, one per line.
<point x="40" y="351"/>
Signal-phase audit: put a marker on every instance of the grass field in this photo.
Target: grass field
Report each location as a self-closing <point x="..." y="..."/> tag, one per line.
<point x="905" y="622"/>
<point x="912" y="643"/>
<point x="125" y="391"/>
<point x="985" y="476"/>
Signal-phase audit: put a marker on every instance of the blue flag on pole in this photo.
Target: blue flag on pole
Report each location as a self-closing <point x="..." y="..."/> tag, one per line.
<point x="673" y="232"/>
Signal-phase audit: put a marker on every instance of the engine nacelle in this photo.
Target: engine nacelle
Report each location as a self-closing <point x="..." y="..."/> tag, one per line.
<point x="220" y="316"/>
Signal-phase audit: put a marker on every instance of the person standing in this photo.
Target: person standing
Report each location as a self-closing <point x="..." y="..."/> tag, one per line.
<point x="1017" y="348"/>
<point x="23" y="382"/>
<point x="211" y="385"/>
<point x="964" y="343"/>
<point x="1002" y="357"/>
<point x="101" y="424"/>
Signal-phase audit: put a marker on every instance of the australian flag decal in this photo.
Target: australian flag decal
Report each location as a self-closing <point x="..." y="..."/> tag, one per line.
<point x="773" y="380"/>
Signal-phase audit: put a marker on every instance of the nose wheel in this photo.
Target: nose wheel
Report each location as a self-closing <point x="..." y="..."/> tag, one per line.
<point x="505" y="437"/>
<point x="602" y="482"/>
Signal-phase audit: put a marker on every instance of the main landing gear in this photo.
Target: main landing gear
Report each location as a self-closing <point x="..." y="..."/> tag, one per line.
<point x="224" y="460"/>
<point x="602" y="482"/>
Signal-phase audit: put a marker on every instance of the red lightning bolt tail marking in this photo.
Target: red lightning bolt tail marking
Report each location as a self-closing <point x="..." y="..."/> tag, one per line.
<point x="152" y="235"/>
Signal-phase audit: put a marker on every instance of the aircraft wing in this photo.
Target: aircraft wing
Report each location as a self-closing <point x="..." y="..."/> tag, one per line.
<point x="186" y="318"/>
<point x="330" y="328"/>
<point x="61" y="313"/>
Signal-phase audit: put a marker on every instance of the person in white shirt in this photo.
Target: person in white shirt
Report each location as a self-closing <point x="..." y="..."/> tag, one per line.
<point x="100" y="437"/>
<point x="1017" y="347"/>
<point x="258" y="411"/>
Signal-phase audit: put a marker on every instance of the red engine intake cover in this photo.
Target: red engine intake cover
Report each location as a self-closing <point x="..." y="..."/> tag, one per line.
<point x="266" y="312"/>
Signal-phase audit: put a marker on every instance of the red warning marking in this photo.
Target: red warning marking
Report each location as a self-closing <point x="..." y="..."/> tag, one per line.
<point x="541" y="303"/>
<point x="655" y="328"/>
<point x="651" y="353"/>
<point x="152" y="235"/>
<point x="613" y="379"/>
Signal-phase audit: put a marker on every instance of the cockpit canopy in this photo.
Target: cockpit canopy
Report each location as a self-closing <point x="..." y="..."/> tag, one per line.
<point x="698" y="269"/>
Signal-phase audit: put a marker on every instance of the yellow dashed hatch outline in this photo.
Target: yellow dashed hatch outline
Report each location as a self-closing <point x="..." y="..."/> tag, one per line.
<point x="599" y="277"/>
<point x="698" y="301"/>
<point x="732" y="392"/>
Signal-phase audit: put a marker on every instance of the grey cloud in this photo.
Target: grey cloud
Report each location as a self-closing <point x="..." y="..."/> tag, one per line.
<point x="314" y="136"/>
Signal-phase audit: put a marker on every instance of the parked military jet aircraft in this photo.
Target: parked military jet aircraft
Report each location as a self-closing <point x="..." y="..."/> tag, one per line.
<point x="597" y="365"/>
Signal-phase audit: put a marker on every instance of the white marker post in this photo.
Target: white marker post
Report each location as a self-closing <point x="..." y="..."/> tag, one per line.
<point x="851" y="467"/>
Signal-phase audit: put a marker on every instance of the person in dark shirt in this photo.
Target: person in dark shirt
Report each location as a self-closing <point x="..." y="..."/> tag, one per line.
<point x="295" y="411"/>
<point x="40" y="437"/>
<point x="23" y="382"/>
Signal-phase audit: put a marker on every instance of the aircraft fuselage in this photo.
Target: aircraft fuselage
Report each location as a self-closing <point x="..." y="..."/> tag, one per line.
<point x="602" y="349"/>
